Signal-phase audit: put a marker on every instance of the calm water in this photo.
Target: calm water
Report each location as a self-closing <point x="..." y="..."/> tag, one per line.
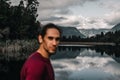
<point x="73" y="63"/>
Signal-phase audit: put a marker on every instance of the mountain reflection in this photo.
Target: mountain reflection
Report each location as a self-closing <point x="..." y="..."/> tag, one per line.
<point x="74" y="51"/>
<point x="67" y="52"/>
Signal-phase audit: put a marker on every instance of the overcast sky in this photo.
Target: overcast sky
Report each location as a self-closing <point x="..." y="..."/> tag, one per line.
<point x="79" y="13"/>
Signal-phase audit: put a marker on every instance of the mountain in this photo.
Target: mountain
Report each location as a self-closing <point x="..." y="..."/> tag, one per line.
<point x="71" y="31"/>
<point x="116" y="27"/>
<point x="92" y="32"/>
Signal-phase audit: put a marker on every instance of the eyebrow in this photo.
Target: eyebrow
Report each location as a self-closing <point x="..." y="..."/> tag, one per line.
<point x="57" y="38"/>
<point x="50" y="37"/>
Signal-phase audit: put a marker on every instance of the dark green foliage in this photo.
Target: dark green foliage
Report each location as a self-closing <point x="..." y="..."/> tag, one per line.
<point x="108" y="37"/>
<point x="113" y="37"/>
<point x="20" y="19"/>
<point x="4" y="13"/>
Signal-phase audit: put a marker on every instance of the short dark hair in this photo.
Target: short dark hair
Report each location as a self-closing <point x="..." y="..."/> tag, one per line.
<point x="42" y="31"/>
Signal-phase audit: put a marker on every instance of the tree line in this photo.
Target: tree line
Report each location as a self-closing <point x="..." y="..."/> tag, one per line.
<point x="110" y="36"/>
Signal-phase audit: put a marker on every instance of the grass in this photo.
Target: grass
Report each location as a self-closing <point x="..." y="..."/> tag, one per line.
<point x="17" y="48"/>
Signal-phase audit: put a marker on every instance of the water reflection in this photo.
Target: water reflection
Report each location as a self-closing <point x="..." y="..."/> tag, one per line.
<point x="74" y="51"/>
<point x="67" y="52"/>
<point x="70" y="63"/>
<point x="89" y="64"/>
<point x="113" y="51"/>
<point x="110" y="50"/>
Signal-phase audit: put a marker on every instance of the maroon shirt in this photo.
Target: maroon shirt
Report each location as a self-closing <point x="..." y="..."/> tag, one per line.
<point x="37" y="67"/>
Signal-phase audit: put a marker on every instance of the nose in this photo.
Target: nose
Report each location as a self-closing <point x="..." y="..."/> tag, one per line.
<point x="55" y="42"/>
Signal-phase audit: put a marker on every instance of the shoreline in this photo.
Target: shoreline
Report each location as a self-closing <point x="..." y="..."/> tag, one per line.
<point x="87" y="43"/>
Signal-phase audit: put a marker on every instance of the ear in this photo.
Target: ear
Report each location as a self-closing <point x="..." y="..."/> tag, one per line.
<point x="40" y="40"/>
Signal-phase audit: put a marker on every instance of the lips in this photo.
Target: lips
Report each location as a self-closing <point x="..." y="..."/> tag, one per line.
<point x="53" y="48"/>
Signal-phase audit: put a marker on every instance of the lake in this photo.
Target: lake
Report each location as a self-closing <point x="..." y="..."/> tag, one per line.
<point x="71" y="63"/>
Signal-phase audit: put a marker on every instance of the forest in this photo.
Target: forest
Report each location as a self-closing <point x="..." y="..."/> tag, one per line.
<point x="113" y="37"/>
<point x="18" y="22"/>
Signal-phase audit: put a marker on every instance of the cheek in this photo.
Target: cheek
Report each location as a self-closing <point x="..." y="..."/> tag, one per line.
<point x="48" y="44"/>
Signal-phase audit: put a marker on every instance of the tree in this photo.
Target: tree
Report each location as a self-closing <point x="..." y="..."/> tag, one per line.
<point x="4" y="13"/>
<point x="22" y="20"/>
<point x="31" y="15"/>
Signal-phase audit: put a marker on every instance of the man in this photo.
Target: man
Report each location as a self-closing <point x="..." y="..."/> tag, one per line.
<point x="38" y="65"/>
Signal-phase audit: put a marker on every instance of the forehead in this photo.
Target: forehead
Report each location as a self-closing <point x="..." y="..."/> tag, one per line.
<point x="52" y="32"/>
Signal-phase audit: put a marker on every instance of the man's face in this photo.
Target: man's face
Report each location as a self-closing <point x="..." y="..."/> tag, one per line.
<point x="51" y="40"/>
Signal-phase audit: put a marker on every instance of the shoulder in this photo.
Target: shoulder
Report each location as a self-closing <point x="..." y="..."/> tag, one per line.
<point x="35" y="60"/>
<point x="35" y="65"/>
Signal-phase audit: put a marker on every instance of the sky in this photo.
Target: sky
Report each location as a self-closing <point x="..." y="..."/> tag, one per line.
<point x="83" y="14"/>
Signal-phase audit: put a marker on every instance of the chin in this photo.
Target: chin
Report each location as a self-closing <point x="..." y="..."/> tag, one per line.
<point x="52" y="52"/>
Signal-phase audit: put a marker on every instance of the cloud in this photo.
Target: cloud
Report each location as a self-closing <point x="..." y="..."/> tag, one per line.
<point x="113" y="18"/>
<point x="53" y="18"/>
<point x="49" y="7"/>
<point x="71" y="21"/>
<point x="55" y="4"/>
<point x="44" y="14"/>
<point x="59" y="12"/>
<point x="93" y="22"/>
<point x="112" y="5"/>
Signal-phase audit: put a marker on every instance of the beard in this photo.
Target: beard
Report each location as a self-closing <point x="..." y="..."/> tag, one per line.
<point x="50" y="52"/>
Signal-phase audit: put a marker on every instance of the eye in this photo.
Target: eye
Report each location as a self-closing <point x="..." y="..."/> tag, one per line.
<point x="50" y="38"/>
<point x="57" y="39"/>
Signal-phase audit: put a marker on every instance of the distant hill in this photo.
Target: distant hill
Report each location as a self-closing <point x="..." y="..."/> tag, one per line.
<point x="71" y="31"/>
<point x="116" y="27"/>
<point x="92" y="32"/>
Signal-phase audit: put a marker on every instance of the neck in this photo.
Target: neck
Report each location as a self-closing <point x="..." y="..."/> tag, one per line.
<point x="43" y="52"/>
